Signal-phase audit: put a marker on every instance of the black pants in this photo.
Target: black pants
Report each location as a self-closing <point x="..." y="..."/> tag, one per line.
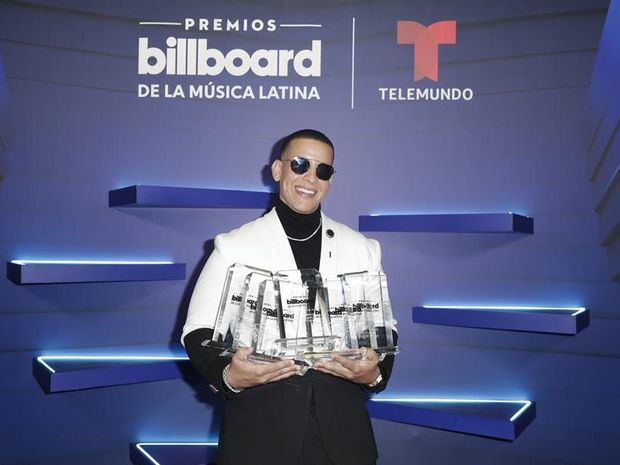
<point x="312" y="450"/>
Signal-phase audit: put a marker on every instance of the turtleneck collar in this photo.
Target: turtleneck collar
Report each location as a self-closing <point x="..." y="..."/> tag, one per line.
<point x="297" y="222"/>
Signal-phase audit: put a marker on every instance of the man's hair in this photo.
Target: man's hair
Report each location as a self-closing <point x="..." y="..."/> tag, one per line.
<point x="306" y="134"/>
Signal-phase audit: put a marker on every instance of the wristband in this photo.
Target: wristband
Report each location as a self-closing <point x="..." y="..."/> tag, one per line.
<point x="376" y="381"/>
<point x="227" y="383"/>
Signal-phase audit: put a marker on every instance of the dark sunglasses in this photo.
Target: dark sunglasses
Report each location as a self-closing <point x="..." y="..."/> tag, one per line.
<point x="299" y="165"/>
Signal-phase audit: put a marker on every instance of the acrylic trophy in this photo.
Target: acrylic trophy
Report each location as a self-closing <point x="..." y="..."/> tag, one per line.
<point x="235" y="315"/>
<point x="303" y="317"/>
<point x="299" y="315"/>
<point x="369" y="312"/>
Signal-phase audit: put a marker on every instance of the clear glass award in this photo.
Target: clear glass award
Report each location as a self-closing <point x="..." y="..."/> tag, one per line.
<point x="299" y="315"/>
<point x="341" y="319"/>
<point x="240" y="291"/>
<point x="304" y="316"/>
<point x="369" y="311"/>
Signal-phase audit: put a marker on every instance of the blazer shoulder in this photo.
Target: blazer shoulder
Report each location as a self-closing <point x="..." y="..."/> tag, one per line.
<point x="246" y="232"/>
<point x="349" y="233"/>
<point x="354" y="241"/>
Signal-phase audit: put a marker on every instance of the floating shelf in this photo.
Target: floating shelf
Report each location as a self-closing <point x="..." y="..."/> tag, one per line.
<point x="172" y="453"/>
<point x="58" y="373"/>
<point x="457" y="223"/>
<point x="187" y="197"/>
<point x="64" y="271"/>
<point x="533" y="319"/>
<point x="498" y="419"/>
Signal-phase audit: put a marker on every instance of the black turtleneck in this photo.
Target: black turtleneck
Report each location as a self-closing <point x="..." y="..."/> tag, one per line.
<point x="298" y="225"/>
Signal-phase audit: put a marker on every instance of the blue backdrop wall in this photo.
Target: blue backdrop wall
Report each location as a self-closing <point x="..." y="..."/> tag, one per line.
<point x="74" y="128"/>
<point x="603" y="156"/>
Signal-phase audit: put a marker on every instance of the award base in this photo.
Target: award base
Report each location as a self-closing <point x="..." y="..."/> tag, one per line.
<point x="305" y="347"/>
<point x="304" y="351"/>
<point x="358" y="354"/>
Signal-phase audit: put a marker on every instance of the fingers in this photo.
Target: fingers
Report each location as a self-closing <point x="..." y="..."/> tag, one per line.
<point x="287" y="373"/>
<point x="370" y="355"/>
<point x="345" y="362"/>
<point x="242" y="353"/>
<point x="274" y="367"/>
<point x="333" y="372"/>
<point x="358" y="371"/>
<point x="368" y="362"/>
<point x="275" y="374"/>
<point x="334" y="368"/>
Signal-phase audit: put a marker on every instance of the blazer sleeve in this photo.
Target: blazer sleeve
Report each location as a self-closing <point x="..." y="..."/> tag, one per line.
<point x="206" y="360"/>
<point x="202" y="313"/>
<point x="385" y="366"/>
<point x="374" y="255"/>
<point x="205" y="299"/>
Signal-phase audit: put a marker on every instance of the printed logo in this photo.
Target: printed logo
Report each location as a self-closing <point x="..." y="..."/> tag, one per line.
<point x="338" y="310"/>
<point x="205" y="68"/>
<point x="426" y="41"/>
<point x="192" y="57"/>
<point x="269" y="312"/>
<point x="358" y="307"/>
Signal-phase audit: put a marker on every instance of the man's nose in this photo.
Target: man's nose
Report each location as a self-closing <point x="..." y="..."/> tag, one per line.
<point x="310" y="175"/>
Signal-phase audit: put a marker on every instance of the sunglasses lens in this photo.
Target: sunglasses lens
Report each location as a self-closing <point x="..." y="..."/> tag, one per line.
<point x="300" y="165"/>
<point x="324" y="171"/>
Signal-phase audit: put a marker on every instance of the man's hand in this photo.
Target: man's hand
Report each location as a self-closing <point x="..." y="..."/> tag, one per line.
<point x="243" y="373"/>
<point x="363" y="371"/>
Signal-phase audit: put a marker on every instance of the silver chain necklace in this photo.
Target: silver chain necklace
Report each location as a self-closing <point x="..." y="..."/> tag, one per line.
<point x="310" y="236"/>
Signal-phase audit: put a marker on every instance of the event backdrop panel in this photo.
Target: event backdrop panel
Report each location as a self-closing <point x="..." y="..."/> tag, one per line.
<point x="77" y="129"/>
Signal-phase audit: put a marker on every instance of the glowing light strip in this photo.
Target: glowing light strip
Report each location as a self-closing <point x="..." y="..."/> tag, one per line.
<point x="301" y="25"/>
<point x="576" y="310"/>
<point x="85" y="262"/>
<point x="443" y="213"/>
<point x="140" y="447"/>
<point x="520" y="411"/>
<point x="41" y="359"/>
<point x="158" y="23"/>
<point x="526" y="403"/>
<point x="447" y="213"/>
<point x="42" y="362"/>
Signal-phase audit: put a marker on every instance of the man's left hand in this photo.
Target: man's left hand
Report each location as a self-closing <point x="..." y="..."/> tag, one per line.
<point x="363" y="371"/>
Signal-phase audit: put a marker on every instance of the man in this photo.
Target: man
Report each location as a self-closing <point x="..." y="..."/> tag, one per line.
<point x="272" y="416"/>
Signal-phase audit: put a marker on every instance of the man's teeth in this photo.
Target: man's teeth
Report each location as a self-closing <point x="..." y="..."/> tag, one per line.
<point x="305" y="191"/>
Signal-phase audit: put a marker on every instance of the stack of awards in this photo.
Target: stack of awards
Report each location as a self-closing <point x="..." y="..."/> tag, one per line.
<point x="299" y="315"/>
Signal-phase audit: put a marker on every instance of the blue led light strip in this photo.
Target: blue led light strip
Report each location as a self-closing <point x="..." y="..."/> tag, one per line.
<point x="576" y="310"/>
<point x="140" y="446"/>
<point x="454" y="212"/>
<point x="525" y="404"/>
<point x="43" y="358"/>
<point x="86" y="262"/>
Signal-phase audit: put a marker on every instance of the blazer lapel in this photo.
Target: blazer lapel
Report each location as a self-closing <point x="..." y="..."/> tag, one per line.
<point x="326" y="265"/>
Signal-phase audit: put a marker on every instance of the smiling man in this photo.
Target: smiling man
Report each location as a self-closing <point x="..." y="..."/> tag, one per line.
<point x="271" y="416"/>
<point x="305" y="181"/>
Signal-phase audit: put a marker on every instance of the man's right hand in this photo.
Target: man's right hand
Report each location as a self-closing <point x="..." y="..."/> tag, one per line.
<point x="243" y="373"/>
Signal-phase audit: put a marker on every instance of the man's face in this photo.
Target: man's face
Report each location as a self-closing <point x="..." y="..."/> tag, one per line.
<point x="302" y="192"/>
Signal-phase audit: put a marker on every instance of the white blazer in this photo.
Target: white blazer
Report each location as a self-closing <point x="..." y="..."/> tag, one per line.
<point x="262" y="243"/>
